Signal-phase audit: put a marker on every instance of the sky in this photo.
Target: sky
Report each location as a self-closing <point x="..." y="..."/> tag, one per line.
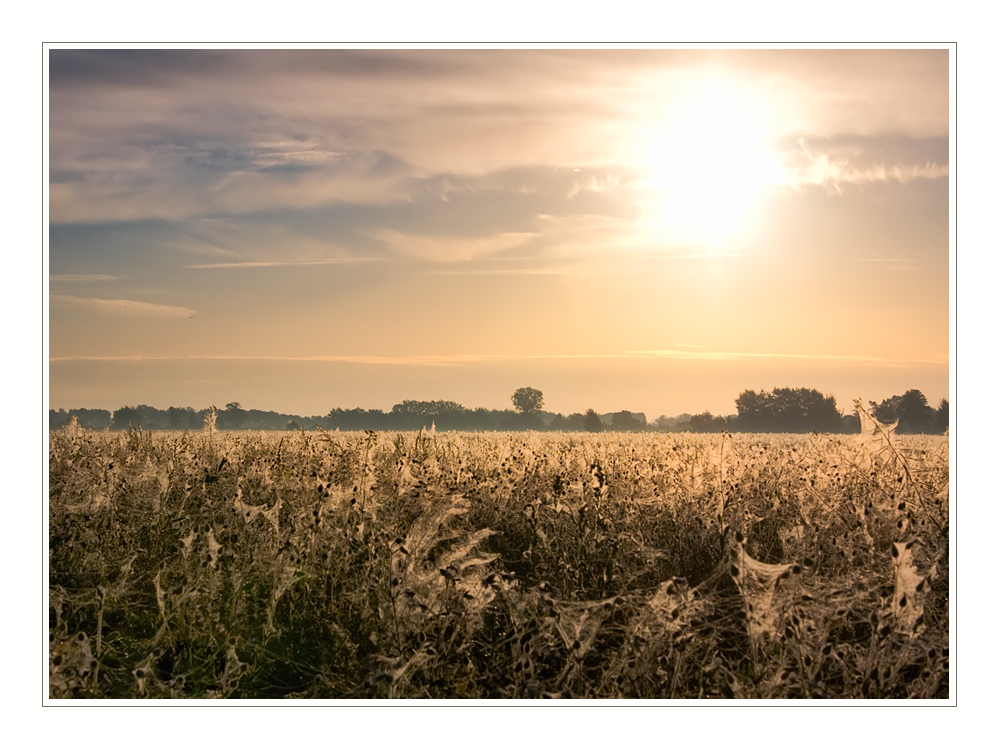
<point x="649" y="230"/>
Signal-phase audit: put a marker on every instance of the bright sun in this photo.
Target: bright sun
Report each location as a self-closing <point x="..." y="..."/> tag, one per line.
<point x="707" y="162"/>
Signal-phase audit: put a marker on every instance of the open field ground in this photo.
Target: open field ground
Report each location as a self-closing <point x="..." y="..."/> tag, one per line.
<point x="497" y="565"/>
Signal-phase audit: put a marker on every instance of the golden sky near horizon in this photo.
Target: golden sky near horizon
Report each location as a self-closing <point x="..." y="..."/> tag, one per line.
<point x="650" y="230"/>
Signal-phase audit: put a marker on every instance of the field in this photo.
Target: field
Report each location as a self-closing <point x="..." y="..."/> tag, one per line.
<point x="497" y="565"/>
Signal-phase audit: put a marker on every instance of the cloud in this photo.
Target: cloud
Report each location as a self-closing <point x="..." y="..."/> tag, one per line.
<point x="460" y="359"/>
<point x="448" y="249"/>
<point x="859" y="160"/>
<point x="351" y="359"/>
<point x="184" y="133"/>
<point x="194" y="181"/>
<point x="540" y="189"/>
<point x="531" y="212"/>
<point x="297" y="238"/>
<point x="81" y="277"/>
<point x="171" y="69"/>
<point x="274" y="263"/>
<point x="690" y="256"/>
<point x="124" y="307"/>
<point x="679" y="354"/>
<point x="112" y="68"/>
<point x="505" y="272"/>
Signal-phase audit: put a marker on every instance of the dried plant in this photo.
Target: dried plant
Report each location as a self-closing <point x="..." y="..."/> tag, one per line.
<point x="520" y="565"/>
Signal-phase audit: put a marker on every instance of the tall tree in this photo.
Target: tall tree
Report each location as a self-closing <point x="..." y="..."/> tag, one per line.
<point x="707" y="422"/>
<point x="58" y="419"/>
<point x="234" y="417"/>
<point x="527" y="400"/>
<point x="941" y="417"/>
<point x="886" y="410"/>
<point x="592" y="421"/>
<point x="915" y="415"/>
<point x="787" y="410"/>
<point x="911" y="409"/>
<point x="447" y="415"/>
<point x="754" y="411"/>
<point x="125" y="416"/>
<point x="182" y="418"/>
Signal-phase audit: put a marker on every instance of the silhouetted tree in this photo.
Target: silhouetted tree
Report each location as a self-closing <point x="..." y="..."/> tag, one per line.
<point x="755" y="411"/>
<point x="626" y="421"/>
<point x="527" y="420"/>
<point x="447" y="415"/>
<point x="592" y="421"/>
<point x="527" y="400"/>
<point x="125" y="416"/>
<point x="850" y="423"/>
<point x="678" y="423"/>
<point x="787" y="410"/>
<point x="707" y="422"/>
<point x="233" y="417"/>
<point x="183" y="419"/>
<point x="559" y="422"/>
<point x="911" y="409"/>
<point x="915" y="415"/>
<point x="92" y="419"/>
<point x="885" y="411"/>
<point x="941" y="417"/>
<point x="804" y="409"/>
<point x="487" y="419"/>
<point x="147" y="417"/>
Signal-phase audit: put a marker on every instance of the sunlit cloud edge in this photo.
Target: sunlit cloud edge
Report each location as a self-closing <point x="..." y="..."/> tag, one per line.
<point x="125" y="306"/>
<point x="273" y="263"/>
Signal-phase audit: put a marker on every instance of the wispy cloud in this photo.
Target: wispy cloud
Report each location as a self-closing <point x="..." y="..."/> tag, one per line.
<point x="832" y="162"/>
<point x="445" y="248"/>
<point x="824" y="171"/>
<point x="680" y="354"/>
<point x="273" y="263"/>
<point x="81" y="277"/>
<point x="692" y="256"/>
<point x="460" y="359"/>
<point x="124" y="306"/>
<point x="275" y="156"/>
<point x="506" y="272"/>
<point x="351" y="359"/>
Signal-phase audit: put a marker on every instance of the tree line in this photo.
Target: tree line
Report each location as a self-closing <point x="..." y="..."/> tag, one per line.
<point x="779" y="410"/>
<point x="806" y="410"/>
<point x="232" y="417"/>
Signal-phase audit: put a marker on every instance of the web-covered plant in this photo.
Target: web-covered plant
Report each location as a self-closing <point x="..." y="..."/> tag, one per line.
<point x="521" y="565"/>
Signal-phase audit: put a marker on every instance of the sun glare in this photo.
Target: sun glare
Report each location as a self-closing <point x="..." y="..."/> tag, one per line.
<point x="707" y="160"/>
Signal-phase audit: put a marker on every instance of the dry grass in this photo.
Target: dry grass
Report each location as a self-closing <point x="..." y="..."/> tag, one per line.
<point x="455" y="565"/>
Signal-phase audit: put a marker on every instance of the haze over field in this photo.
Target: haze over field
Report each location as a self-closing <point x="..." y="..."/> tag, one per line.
<point x="650" y="230"/>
